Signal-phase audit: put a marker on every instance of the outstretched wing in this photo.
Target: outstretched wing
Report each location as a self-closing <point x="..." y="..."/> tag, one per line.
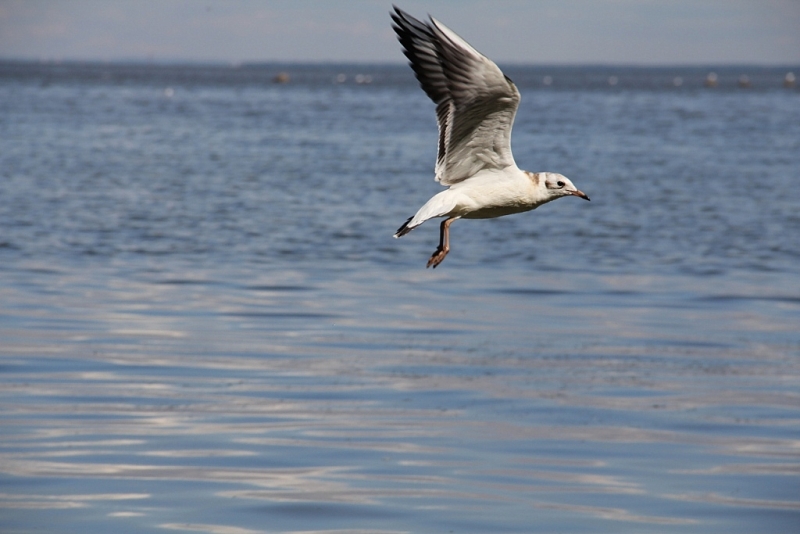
<point x="475" y="102"/>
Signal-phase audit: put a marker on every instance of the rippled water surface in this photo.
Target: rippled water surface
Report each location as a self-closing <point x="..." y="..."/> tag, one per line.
<point x="207" y="327"/>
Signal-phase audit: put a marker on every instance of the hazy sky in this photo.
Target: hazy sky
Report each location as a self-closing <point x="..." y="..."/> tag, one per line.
<point x="544" y="31"/>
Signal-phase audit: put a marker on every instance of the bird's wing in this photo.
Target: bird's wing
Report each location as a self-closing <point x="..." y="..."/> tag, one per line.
<point x="475" y="101"/>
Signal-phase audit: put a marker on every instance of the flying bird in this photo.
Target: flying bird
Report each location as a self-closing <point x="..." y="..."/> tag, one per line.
<point x="475" y="108"/>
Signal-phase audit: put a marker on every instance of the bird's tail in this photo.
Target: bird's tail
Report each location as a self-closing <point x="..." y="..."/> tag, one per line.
<point x="403" y="230"/>
<point x="439" y="205"/>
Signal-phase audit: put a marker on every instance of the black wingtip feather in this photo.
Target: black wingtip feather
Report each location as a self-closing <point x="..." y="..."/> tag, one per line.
<point x="404" y="229"/>
<point x="419" y="45"/>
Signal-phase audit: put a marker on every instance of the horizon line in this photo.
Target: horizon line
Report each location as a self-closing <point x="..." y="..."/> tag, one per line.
<point x="381" y="63"/>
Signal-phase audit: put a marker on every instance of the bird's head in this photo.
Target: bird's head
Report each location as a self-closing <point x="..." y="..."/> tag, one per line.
<point x="561" y="186"/>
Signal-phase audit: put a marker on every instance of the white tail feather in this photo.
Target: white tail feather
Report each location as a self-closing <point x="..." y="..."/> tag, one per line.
<point x="439" y="205"/>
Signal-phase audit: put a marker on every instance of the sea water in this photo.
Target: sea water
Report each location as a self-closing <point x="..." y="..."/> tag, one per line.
<point x="206" y="326"/>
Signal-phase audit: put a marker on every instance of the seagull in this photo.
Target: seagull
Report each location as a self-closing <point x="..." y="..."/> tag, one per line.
<point x="475" y="108"/>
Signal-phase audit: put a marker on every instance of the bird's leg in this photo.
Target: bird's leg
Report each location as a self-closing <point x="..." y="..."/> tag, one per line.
<point x="444" y="243"/>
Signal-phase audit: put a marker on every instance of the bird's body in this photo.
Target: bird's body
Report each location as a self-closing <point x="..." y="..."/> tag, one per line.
<point x="475" y="106"/>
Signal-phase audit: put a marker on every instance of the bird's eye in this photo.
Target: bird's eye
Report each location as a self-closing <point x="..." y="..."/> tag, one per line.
<point x="560" y="184"/>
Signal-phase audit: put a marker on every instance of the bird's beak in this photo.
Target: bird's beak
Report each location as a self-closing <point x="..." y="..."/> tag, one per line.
<point x="578" y="193"/>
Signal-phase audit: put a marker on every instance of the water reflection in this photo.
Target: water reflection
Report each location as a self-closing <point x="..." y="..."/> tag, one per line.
<point x="407" y="408"/>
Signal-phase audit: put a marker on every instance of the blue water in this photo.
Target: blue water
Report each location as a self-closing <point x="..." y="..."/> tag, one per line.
<point x="206" y="325"/>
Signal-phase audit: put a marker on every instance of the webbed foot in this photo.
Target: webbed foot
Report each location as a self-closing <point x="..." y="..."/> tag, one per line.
<point x="437" y="257"/>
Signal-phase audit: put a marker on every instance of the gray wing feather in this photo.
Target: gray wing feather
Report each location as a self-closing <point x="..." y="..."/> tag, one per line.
<point x="475" y="102"/>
